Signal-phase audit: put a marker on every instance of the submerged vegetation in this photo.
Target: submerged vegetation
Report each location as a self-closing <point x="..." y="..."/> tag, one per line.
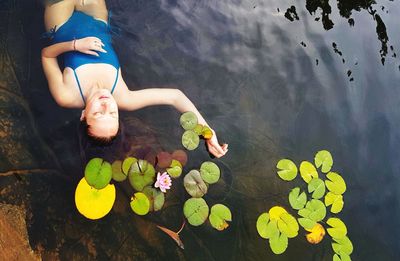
<point x="95" y="196"/>
<point x="277" y="225"/>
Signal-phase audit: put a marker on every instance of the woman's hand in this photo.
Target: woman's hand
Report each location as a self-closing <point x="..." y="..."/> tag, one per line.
<point x="89" y="45"/>
<point x="215" y="148"/>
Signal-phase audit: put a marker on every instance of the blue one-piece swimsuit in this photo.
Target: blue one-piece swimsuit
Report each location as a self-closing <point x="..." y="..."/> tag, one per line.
<point x="81" y="25"/>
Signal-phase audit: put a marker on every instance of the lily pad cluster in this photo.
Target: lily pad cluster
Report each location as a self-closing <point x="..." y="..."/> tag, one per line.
<point x="196" y="209"/>
<point x="193" y="129"/>
<point x="325" y="189"/>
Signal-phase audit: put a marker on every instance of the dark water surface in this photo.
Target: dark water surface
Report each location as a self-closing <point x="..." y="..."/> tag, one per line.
<point x="274" y="81"/>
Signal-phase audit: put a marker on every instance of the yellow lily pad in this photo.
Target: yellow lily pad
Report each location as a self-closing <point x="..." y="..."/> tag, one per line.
<point x="316" y="235"/>
<point x="94" y="203"/>
<point x="308" y="171"/>
<point x="276" y="212"/>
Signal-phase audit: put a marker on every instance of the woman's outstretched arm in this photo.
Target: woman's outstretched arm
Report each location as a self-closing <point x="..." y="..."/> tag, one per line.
<point x="165" y="96"/>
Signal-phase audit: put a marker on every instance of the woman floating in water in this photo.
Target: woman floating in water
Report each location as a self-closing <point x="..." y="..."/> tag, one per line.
<point x="92" y="76"/>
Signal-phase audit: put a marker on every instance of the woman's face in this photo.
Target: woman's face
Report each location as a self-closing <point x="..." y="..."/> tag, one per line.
<point x="101" y="113"/>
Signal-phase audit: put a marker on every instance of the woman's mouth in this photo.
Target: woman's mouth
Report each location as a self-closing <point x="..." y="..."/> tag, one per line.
<point x="104" y="97"/>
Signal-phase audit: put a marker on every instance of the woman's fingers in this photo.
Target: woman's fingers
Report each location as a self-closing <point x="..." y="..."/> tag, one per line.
<point x="92" y="53"/>
<point x="218" y="147"/>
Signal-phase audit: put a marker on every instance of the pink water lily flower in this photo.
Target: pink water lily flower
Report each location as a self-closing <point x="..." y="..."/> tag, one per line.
<point x="163" y="182"/>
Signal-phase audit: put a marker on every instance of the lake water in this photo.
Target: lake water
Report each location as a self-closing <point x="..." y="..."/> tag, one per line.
<point x="274" y="81"/>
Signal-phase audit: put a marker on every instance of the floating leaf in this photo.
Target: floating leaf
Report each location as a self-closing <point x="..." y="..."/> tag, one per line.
<point x="308" y="171"/>
<point x="206" y="132"/>
<point x="164" y="159"/>
<point x="318" y="210"/>
<point x="272" y="229"/>
<point x="141" y="174"/>
<point x="181" y="156"/>
<point x="338" y="229"/>
<point x="190" y="140"/>
<point x="306" y="223"/>
<point x="188" y="120"/>
<point x="94" y="203"/>
<point x="304" y="212"/>
<point x="196" y="211"/>
<point x="210" y="172"/>
<point x="335" y="200"/>
<point x="98" y="173"/>
<point x="343" y="257"/>
<point x="140" y="204"/>
<point x="317" y="186"/>
<point x="117" y="173"/>
<point x="288" y="225"/>
<point x="126" y="165"/>
<point x="175" y="169"/>
<point x="276" y="212"/>
<point x="198" y="129"/>
<point x="278" y="244"/>
<point x="335" y="183"/>
<point x="343" y="246"/>
<point x="297" y="201"/>
<point x="288" y="170"/>
<point x="219" y="216"/>
<point x="156" y="198"/>
<point x="261" y="225"/>
<point x="194" y="184"/>
<point x="324" y="158"/>
<point x="316" y="234"/>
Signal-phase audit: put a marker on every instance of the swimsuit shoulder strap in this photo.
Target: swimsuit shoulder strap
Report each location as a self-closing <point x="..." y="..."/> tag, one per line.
<point x="115" y="82"/>
<point x="80" y="89"/>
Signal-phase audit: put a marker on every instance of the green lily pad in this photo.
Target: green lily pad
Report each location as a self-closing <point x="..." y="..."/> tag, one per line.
<point x="156" y="198"/>
<point x="261" y="225"/>
<point x="335" y="200"/>
<point x="338" y="229"/>
<point x="194" y="184"/>
<point x="272" y="229"/>
<point x="117" y="173"/>
<point x="164" y="159"/>
<point x="181" y="156"/>
<point x="304" y="212"/>
<point x="335" y="183"/>
<point x="141" y="174"/>
<point x="198" y="129"/>
<point x="188" y="120"/>
<point x="127" y="163"/>
<point x="196" y="211"/>
<point x="219" y="216"/>
<point x="324" y="158"/>
<point x="317" y="187"/>
<point x="190" y="140"/>
<point x="342" y="246"/>
<point x="343" y="257"/>
<point x="140" y="204"/>
<point x="175" y="169"/>
<point x="278" y="244"/>
<point x="296" y="200"/>
<point x="287" y="169"/>
<point x="98" y="173"/>
<point x="308" y="171"/>
<point x="288" y="225"/>
<point x="210" y="172"/>
<point x="306" y="223"/>
<point x="318" y="210"/>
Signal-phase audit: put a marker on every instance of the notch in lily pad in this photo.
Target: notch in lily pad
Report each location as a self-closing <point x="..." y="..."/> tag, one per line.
<point x="317" y="188"/>
<point x="335" y="200"/>
<point x="141" y="174"/>
<point x="210" y="172"/>
<point x="297" y="200"/>
<point x="190" y="140"/>
<point x="338" y="229"/>
<point x="98" y="173"/>
<point x="287" y="169"/>
<point x="219" y="216"/>
<point x="127" y="163"/>
<point x="324" y="160"/>
<point x="188" y="120"/>
<point x="196" y="211"/>
<point x="308" y="171"/>
<point x="156" y="198"/>
<point x="94" y="203"/>
<point x="117" y="173"/>
<point x="336" y="183"/>
<point x="194" y="184"/>
<point x="140" y="204"/>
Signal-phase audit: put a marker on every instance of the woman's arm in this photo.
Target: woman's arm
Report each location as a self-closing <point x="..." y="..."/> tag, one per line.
<point x="164" y="96"/>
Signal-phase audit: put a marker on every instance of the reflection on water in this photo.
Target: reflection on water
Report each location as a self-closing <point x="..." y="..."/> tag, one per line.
<point x="270" y="87"/>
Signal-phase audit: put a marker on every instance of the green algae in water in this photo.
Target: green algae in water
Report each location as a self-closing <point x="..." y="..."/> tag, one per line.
<point x="98" y="173"/>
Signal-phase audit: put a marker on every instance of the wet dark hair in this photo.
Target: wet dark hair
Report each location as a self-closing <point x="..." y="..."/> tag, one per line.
<point x="108" y="148"/>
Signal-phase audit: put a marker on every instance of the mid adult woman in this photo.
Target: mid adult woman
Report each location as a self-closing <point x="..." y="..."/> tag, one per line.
<point x="91" y="78"/>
